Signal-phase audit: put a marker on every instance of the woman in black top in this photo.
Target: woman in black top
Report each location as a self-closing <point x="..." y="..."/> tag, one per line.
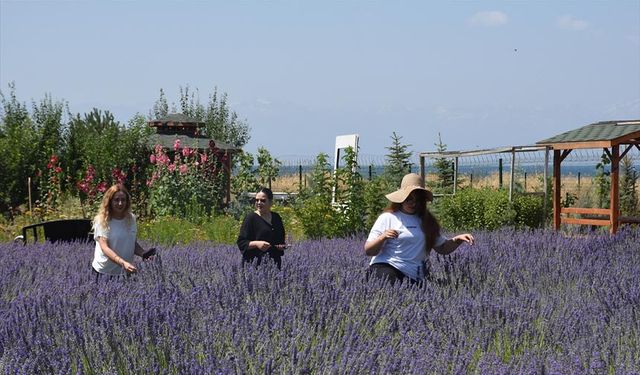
<point x="262" y="232"/>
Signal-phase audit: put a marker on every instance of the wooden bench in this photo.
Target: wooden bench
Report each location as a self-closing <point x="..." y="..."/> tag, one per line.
<point x="59" y="230"/>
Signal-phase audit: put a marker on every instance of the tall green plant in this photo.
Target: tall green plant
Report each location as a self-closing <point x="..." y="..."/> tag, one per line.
<point x="268" y="167"/>
<point x="313" y="205"/>
<point x="351" y="205"/>
<point x="603" y="181"/>
<point x="221" y="123"/>
<point x="397" y="160"/>
<point x="628" y="188"/>
<point x="244" y="179"/>
<point x="444" y="169"/>
<point x="18" y="136"/>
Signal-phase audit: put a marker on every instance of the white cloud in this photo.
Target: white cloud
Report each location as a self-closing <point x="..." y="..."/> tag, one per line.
<point x="569" y="22"/>
<point x="489" y="18"/>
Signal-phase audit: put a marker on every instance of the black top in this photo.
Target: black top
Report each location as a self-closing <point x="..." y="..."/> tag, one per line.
<point x="255" y="228"/>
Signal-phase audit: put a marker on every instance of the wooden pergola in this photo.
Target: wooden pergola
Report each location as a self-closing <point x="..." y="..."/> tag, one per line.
<point x="177" y="126"/>
<point x="610" y="136"/>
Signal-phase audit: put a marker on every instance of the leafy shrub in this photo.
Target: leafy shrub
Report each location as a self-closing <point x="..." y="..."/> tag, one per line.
<point x="529" y="211"/>
<point x="488" y="209"/>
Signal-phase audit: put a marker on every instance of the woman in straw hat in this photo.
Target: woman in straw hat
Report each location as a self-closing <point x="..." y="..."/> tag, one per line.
<point x="404" y="234"/>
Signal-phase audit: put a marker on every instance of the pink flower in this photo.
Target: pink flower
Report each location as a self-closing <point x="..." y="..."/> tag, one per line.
<point x="203" y="158"/>
<point x="83" y="187"/>
<point x="186" y="152"/>
<point x="176" y="145"/>
<point x="158" y="149"/>
<point x="152" y="159"/>
<point x="102" y="187"/>
<point x="172" y="167"/>
<point x="58" y="170"/>
<point x="183" y="169"/>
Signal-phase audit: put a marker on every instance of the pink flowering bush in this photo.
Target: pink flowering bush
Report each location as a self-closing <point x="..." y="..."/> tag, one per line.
<point x="185" y="182"/>
<point x="50" y="187"/>
<point x="90" y="189"/>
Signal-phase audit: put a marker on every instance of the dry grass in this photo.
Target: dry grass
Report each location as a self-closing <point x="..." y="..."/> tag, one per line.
<point x="583" y="188"/>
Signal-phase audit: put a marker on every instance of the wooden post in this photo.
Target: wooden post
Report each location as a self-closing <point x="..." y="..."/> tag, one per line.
<point x="455" y="175"/>
<point x="578" y="179"/>
<point x="29" y="189"/>
<point x="525" y="182"/>
<point x="422" y="168"/>
<point x="615" y="193"/>
<point x="299" y="177"/>
<point x="545" y="185"/>
<point x="228" y="172"/>
<point x="512" y="173"/>
<point x="500" y="173"/>
<point x="556" y="189"/>
<point x="471" y="180"/>
<point x="370" y="172"/>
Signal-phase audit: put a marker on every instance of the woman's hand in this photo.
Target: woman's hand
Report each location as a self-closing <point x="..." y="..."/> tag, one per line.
<point x="130" y="268"/>
<point x="390" y="233"/>
<point x="466" y="237"/>
<point x="263" y="245"/>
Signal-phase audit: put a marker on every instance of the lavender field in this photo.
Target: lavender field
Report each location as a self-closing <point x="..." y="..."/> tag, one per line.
<point x="516" y="302"/>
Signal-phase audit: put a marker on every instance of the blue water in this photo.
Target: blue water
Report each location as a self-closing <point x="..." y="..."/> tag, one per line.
<point x="567" y="170"/>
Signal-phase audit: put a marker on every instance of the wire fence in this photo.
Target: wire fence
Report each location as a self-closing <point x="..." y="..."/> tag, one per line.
<point x="579" y="161"/>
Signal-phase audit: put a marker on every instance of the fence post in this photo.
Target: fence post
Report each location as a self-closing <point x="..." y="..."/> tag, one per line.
<point x="525" y="182"/>
<point x="299" y="177"/>
<point x="471" y="180"/>
<point x="370" y="172"/>
<point x="500" y="173"/>
<point x="578" y="179"/>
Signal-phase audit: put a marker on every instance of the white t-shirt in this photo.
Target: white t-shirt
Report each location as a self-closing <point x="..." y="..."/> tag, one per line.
<point x="407" y="252"/>
<point x="121" y="238"/>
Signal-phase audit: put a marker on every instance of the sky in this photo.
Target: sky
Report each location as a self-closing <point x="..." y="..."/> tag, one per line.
<point x="480" y="74"/>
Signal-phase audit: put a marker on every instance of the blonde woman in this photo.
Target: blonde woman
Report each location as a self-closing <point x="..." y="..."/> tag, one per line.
<point x="115" y="233"/>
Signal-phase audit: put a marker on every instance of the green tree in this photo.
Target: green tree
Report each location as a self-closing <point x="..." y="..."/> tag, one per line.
<point x="244" y="179"/>
<point x="268" y="167"/>
<point x="313" y="206"/>
<point x="351" y="205"/>
<point x="375" y="200"/>
<point x="160" y="107"/>
<point x="111" y="148"/>
<point x="444" y="168"/>
<point x="603" y="181"/>
<point x="221" y="123"/>
<point x="18" y="135"/>
<point x="397" y="160"/>
<point x="628" y="184"/>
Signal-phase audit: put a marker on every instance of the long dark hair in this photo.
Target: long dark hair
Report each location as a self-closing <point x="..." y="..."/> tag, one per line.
<point x="430" y="225"/>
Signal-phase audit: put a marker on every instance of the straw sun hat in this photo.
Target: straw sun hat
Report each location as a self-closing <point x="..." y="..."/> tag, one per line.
<point x="410" y="182"/>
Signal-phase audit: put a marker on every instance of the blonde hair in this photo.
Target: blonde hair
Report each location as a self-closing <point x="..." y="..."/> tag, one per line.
<point x="104" y="212"/>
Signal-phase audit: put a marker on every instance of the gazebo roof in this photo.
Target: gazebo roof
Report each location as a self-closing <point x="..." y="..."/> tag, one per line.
<point x="597" y="135"/>
<point x="176" y="119"/>
<point x="201" y="143"/>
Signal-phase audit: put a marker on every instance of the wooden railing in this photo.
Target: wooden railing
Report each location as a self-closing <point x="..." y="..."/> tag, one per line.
<point x="594" y="216"/>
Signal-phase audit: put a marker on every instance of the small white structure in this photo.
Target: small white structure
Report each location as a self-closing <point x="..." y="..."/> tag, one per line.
<point x="343" y="141"/>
